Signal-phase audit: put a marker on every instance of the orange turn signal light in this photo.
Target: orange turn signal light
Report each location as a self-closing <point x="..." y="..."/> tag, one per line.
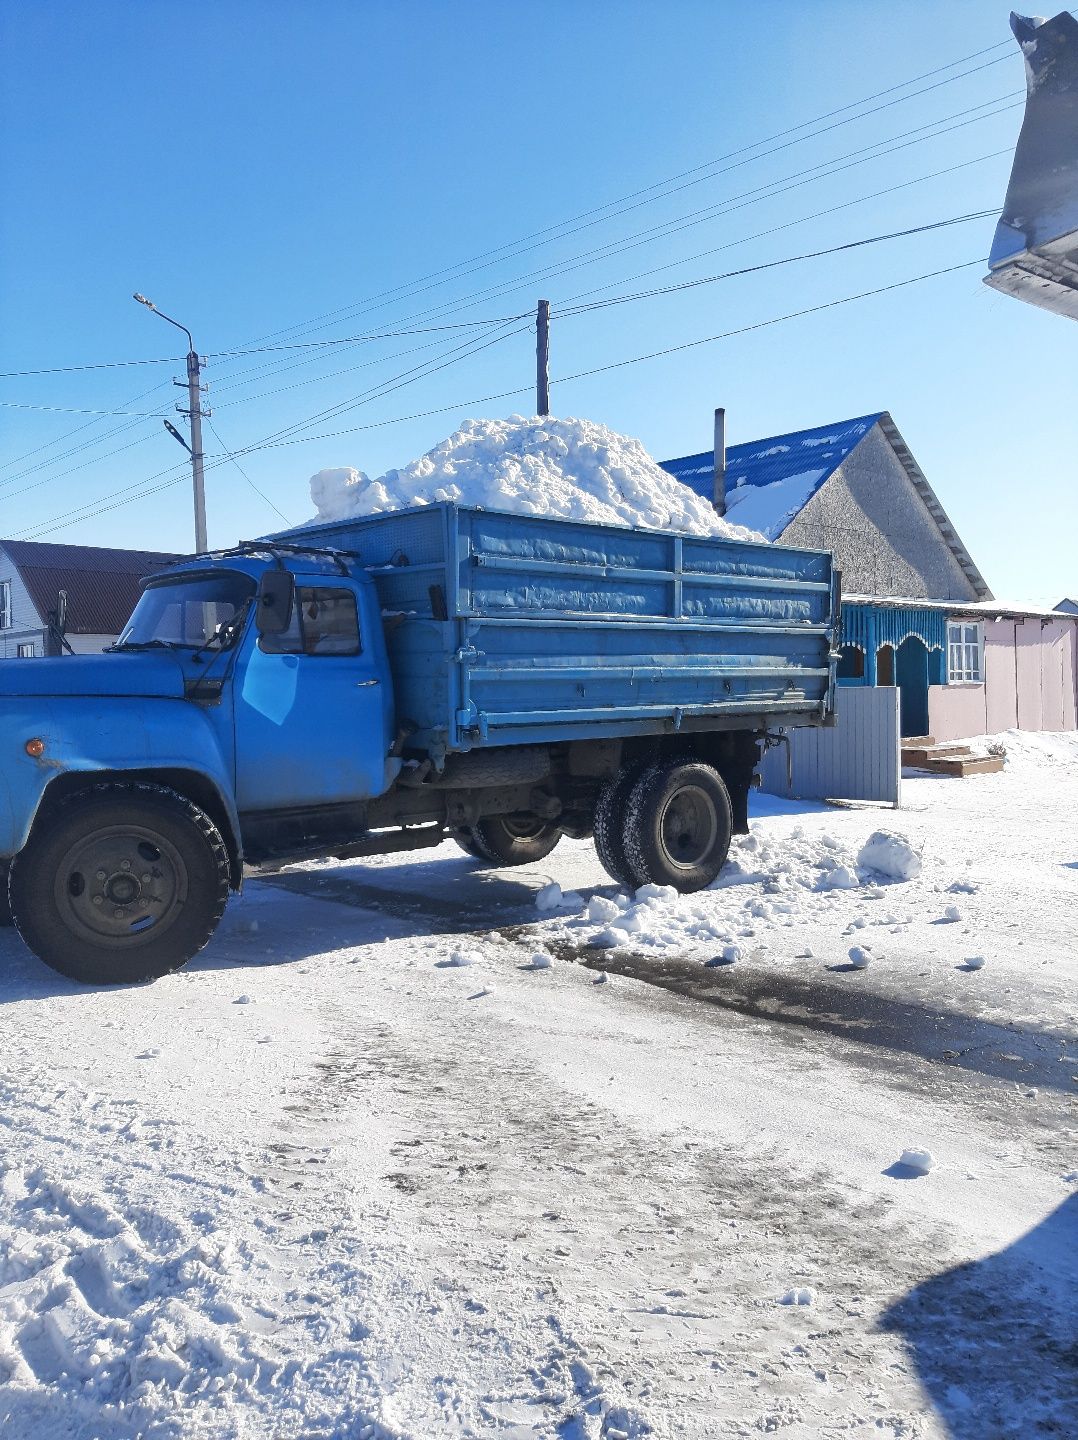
<point x="35" y="748"/>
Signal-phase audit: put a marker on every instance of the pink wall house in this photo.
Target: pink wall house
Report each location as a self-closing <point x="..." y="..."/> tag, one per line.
<point x="1028" y="676"/>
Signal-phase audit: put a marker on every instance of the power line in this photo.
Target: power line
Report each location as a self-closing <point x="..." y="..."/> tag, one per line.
<point x="776" y="320"/>
<point x="769" y="191"/>
<point x="94" y="460"/>
<point x="232" y="354"/>
<point x="112" y="500"/>
<point x="76" y="430"/>
<point x="772" y="264"/>
<point x="367" y="335"/>
<point x="608" y="206"/>
<point x="97" y="365"/>
<point x="673" y="226"/>
<point x="789" y="224"/>
<point x="407" y="377"/>
<point x="798" y="180"/>
<point x="260" y="493"/>
<point x="558" y="230"/>
<point x="636" y="359"/>
<point x="123" y="497"/>
<point x="365" y="396"/>
<point x="78" y="410"/>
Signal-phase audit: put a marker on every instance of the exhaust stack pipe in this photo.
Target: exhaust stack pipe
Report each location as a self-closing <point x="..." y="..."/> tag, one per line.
<point x="718" y="497"/>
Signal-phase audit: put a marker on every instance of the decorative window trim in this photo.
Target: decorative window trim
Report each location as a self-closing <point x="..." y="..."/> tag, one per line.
<point x="965" y="652"/>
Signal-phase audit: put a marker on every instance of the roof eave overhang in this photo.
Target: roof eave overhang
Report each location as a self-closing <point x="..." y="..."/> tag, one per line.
<point x="935" y="509"/>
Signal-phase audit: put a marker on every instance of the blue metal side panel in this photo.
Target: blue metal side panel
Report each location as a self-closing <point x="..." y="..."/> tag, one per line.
<point x="558" y="628"/>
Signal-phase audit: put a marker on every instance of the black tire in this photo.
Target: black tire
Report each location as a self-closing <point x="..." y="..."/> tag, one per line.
<point x="518" y="839"/>
<point x="120" y="884"/>
<point x="467" y="842"/>
<point x="678" y="825"/>
<point x="578" y="829"/>
<point x="5" y="908"/>
<point x="609" y="830"/>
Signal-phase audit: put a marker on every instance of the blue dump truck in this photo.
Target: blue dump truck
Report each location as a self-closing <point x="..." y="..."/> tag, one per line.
<point x="381" y="684"/>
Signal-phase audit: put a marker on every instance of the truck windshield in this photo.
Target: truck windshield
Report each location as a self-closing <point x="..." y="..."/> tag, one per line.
<point x="186" y="611"/>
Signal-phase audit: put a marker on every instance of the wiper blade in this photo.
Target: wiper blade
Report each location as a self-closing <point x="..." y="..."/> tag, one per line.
<point x="147" y="645"/>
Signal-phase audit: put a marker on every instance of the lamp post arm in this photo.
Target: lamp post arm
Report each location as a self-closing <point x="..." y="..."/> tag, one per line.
<point x="190" y="340"/>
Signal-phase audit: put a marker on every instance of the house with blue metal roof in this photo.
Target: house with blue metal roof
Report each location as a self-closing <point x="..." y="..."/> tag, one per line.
<point x="917" y="613"/>
<point x="853" y="488"/>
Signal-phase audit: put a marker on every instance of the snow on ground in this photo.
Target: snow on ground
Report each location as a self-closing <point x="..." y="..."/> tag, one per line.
<point x="328" y="1182"/>
<point x="571" y="469"/>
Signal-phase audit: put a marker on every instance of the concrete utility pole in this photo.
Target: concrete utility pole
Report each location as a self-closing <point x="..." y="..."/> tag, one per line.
<point x="542" y="359"/>
<point x="194" y="413"/>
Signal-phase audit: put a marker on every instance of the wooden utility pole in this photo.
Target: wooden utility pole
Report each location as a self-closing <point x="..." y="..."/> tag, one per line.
<point x="542" y="358"/>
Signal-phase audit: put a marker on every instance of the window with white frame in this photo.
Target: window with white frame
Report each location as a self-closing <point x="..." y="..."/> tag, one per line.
<point x="5" y="604"/>
<point x="27" y="651"/>
<point x="965" y="653"/>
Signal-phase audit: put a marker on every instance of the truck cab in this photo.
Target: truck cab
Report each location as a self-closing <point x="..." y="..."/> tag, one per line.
<point x="245" y="685"/>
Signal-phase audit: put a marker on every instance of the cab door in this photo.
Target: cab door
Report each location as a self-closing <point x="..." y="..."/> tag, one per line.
<point x="309" y="707"/>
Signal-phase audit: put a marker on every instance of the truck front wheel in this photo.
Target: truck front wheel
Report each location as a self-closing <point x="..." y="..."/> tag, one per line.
<point x="5" y="908"/>
<point x="519" y="839"/>
<point x="678" y="825"/>
<point x="120" y="884"/>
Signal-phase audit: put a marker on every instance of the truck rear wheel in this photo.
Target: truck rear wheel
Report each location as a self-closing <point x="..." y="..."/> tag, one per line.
<point x="518" y="839"/>
<point x="120" y="884"/>
<point x="468" y="844"/>
<point x="678" y="825"/>
<point x="609" y="834"/>
<point x="5" y="908"/>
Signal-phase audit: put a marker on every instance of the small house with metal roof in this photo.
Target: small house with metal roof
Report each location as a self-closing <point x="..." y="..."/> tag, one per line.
<point x="917" y="613"/>
<point x="95" y="585"/>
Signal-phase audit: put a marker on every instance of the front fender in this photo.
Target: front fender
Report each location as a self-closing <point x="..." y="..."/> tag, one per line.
<point x="98" y="736"/>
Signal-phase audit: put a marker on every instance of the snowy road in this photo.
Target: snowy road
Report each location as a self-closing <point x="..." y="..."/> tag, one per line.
<point x="326" y="1183"/>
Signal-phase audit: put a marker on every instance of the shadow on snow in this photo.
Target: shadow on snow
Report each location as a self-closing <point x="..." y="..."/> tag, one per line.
<point x="995" y="1342"/>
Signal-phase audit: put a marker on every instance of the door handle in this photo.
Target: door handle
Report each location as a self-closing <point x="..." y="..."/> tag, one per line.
<point x="361" y="683"/>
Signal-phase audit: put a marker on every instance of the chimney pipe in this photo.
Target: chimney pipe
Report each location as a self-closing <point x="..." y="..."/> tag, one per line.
<point x="718" y="498"/>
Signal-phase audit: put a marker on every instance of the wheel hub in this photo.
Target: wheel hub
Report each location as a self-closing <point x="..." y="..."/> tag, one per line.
<point x="688" y="826"/>
<point x="116" y="884"/>
<point x="522" y="826"/>
<point x="122" y="889"/>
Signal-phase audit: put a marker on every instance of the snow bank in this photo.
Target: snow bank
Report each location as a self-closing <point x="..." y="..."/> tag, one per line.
<point x="552" y="897"/>
<point x="799" y="1295"/>
<point x="571" y="469"/>
<point x="890" y="854"/>
<point x="767" y="885"/>
<point x="920" y="1161"/>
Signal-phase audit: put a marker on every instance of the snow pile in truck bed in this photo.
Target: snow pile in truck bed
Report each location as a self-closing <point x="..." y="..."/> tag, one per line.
<point x="570" y="469"/>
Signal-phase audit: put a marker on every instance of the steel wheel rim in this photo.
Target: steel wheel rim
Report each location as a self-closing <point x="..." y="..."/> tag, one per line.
<point x="523" y="827"/>
<point x="121" y="884"/>
<point x="688" y="826"/>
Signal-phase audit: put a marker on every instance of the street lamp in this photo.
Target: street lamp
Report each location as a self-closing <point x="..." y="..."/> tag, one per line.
<point x="194" y="413"/>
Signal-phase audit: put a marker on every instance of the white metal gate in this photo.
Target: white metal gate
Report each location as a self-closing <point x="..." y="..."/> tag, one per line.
<point x="858" y="759"/>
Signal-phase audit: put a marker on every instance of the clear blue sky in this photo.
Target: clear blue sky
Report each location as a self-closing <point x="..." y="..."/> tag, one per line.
<point x="252" y="166"/>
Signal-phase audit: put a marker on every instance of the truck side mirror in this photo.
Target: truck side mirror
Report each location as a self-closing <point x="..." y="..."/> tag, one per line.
<point x="276" y="598"/>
